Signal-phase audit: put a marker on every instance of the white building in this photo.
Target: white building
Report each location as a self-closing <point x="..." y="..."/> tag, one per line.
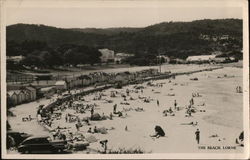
<point x="107" y="55"/>
<point x="166" y="58"/>
<point x="201" y="58"/>
<point x="121" y="56"/>
<point x="16" y="59"/>
<point x="224" y="37"/>
<point x="61" y="85"/>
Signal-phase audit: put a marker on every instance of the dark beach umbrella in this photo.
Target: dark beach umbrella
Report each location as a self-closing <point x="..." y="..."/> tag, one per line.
<point x="159" y="130"/>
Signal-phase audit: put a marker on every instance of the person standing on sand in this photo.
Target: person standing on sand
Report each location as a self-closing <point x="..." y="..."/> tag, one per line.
<point x="126" y="128"/>
<point x="77" y="127"/>
<point x="175" y="104"/>
<point x="114" y="108"/>
<point x="197" y="136"/>
<point x="158" y="103"/>
<point x="104" y="145"/>
<point x="192" y="101"/>
<point x="111" y="116"/>
<point x="127" y="91"/>
<point x="92" y="111"/>
<point x="66" y="118"/>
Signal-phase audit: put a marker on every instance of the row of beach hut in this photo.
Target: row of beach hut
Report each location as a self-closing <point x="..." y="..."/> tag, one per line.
<point x="104" y="78"/>
<point x="24" y="95"/>
<point x="28" y="94"/>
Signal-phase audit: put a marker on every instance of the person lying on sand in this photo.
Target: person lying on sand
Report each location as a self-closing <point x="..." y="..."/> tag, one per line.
<point x="213" y="136"/>
<point x="86" y="120"/>
<point x="125" y="103"/>
<point x="127" y="109"/>
<point x="191" y="123"/>
<point x="89" y="130"/>
<point x="138" y="109"/>
<point x="170" y="94"/>
<point x="196" y="95"/>
<point x="202" y="104"/>
<point x="108" y="101"/>
<point x="131" y="98"/>
<point x="141" y="97"/>
<point x="119" y="113"/>
<point x="189" y="113"/>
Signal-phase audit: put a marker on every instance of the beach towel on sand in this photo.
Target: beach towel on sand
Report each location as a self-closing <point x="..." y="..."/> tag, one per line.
<point x="91" y="139"/>
<point x="102" y="130"/>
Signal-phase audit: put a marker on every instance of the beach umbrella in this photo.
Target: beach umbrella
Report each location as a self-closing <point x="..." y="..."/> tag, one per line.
<point x="159" y="130"/>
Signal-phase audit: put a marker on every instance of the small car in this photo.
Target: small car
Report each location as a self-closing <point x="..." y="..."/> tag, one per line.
<point x="41" y="144"/>
<point x="17" y="136"/>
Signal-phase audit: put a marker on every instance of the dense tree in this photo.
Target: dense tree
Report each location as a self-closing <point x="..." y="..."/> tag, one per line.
<point x="79" y="46"/>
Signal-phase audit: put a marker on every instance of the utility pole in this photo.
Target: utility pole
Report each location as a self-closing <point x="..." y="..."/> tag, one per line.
<point x="159" y="58"/>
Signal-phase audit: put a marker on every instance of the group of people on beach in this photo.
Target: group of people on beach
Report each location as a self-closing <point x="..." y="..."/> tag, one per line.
<point x="48" y="115"/>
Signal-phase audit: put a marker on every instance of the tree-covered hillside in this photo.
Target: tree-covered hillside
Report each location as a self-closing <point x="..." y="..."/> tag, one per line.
<point x="174" y="39"/>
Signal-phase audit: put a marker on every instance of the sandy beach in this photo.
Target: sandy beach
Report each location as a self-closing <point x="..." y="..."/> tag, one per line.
<point x="218" y="98"/>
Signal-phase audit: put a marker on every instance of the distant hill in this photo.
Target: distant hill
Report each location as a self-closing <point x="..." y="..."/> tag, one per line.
<point x="51" y="35"/>
<point x="178" y="39"/>
<point x="219" y="27"/>
<point x="107" y="31"/>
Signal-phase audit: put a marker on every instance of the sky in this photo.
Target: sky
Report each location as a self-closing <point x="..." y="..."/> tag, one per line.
<point x="108" y="15"/>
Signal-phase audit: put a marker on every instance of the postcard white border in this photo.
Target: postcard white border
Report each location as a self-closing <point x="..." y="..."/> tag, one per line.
<point x="127" y="3"/>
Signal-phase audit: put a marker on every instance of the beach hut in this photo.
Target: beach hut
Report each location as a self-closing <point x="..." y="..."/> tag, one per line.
<point x="48" y="91"/>
<point x="86" y="80"/>
<point x="61" y="85"/>
<point x="32" y="92"/>
<point x="22" y="96"/>
<point x="27" y="96"/>
<point x="111" y="78"/>
<point x="19" y="96"/>
<point x="122" y="77"/>
<point x="105" y="76"/>
<point x="13" y="97"/>
<point x="9" y="101"/>
<point x="78" y="82"/>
